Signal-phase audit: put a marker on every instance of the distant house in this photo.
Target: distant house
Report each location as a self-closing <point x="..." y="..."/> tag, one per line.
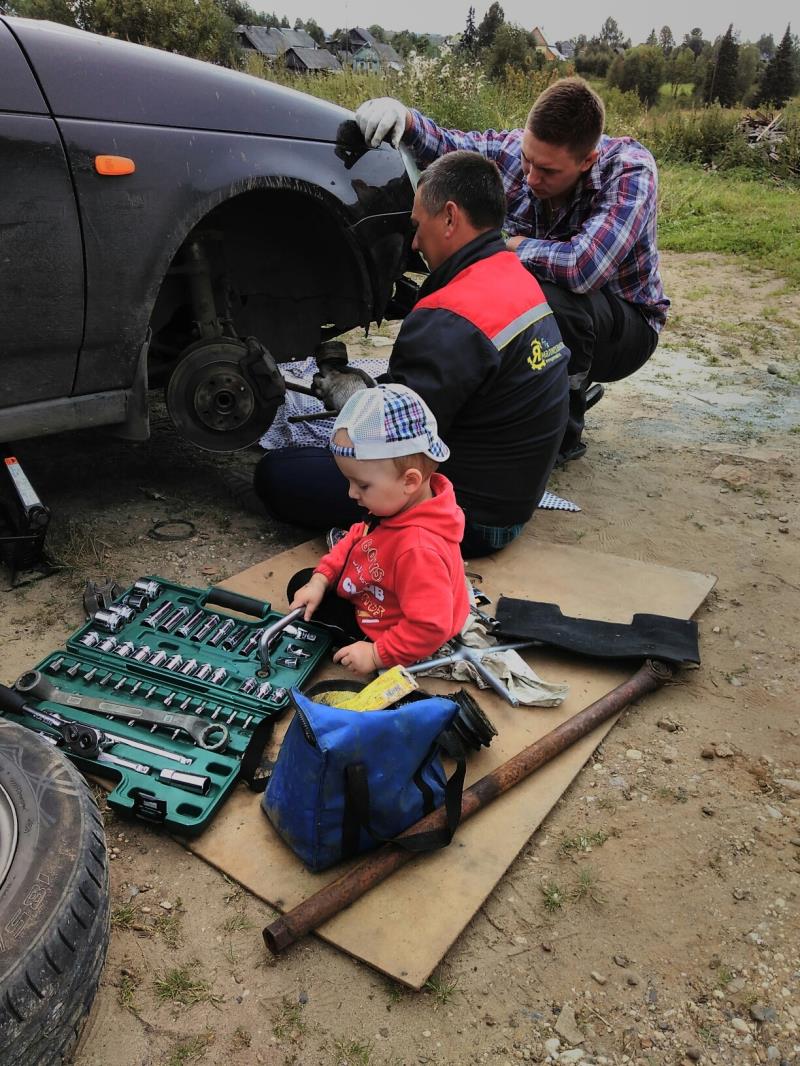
<point x="273" y="42"/>
<point x="549" y="51"/>
<point x="311" y="61"/>
<point x="358" y="38"/>
<point x="366" y="60"/>
<point x="566" y="48"/>
<point x="258" y="39"/>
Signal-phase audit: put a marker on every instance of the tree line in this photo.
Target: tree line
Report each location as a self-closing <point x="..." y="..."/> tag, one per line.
<point x="726" y="71"/>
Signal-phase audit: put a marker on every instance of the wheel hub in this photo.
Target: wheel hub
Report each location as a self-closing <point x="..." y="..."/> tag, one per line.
<point x="223" y="400"/>
<point x="9" y="832"/>
<point x="214" y="400"/>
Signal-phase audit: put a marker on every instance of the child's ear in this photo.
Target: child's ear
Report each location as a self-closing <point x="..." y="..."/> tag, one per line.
<point x="412" y="479"/>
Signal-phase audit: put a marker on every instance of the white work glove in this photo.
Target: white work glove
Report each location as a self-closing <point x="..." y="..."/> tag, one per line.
<point x="382" y="119"/>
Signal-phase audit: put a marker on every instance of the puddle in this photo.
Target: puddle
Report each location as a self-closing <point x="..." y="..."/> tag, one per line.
<point x="709" y="403"/>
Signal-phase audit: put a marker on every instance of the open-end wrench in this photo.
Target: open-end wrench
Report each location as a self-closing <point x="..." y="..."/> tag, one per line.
<point x="33" y="683"/>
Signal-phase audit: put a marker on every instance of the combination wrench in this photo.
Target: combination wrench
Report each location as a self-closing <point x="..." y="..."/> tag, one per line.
<point x="34" y="683"/>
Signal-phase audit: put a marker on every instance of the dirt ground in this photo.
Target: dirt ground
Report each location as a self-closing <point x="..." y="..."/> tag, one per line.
<point x="653" y="919"/>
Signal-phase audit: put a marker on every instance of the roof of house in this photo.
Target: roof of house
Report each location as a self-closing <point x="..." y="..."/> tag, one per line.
<point x="315" y="58"/>
<point x="259" y="38"/>
<point x="297" y="38"/>
<point x="387" y="53"/>
<point x="275" y="41"/>
<point x="365" y="35"/>
<point x="542" y="44"/>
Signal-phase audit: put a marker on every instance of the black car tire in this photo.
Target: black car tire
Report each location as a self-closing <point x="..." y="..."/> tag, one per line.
<point x="54" y="900"/>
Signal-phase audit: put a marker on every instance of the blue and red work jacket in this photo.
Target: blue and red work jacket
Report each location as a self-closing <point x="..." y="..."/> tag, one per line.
<point x="482" y="348"/>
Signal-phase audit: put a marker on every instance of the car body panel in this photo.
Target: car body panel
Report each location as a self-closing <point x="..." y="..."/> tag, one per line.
<point x="19" y="91"/>
<point x="41" y="262"/>
<point x="114" y="81"/>
<point x="304" y="227"/>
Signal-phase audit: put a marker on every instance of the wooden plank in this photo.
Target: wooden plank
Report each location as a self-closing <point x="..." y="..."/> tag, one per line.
<point x="405" y="926"/>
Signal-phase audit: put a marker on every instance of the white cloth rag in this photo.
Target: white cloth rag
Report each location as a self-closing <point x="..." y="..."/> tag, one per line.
<point x="520" y="679"/>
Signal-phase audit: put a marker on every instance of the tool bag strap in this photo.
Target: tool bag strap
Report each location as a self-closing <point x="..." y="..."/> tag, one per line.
<point x="253" y="770"/>
<point x="356" y="810"/>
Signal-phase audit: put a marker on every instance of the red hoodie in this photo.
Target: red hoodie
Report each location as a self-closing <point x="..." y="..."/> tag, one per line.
<point x="405" y="578"/>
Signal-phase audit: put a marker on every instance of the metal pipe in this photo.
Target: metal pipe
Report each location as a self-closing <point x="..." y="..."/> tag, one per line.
<point x="378" y="865"/>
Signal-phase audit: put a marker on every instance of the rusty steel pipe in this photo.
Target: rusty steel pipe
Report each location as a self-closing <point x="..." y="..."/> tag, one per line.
<point x="378" y="865"/>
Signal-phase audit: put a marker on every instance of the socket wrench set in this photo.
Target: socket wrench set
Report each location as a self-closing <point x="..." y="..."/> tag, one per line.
<point x="168" y="693"/>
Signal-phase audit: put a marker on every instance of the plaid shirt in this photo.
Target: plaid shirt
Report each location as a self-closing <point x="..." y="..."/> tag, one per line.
<point x="604" y="237"/>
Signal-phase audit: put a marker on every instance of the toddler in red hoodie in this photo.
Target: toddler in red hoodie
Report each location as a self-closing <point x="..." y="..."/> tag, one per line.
<point x="400" y="572"/>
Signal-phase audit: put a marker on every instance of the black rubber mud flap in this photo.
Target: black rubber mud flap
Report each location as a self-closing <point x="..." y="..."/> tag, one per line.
<point x="54" y="900"/>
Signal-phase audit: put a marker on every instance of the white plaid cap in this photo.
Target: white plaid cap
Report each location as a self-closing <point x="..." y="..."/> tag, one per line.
<point x="386" y="422"/>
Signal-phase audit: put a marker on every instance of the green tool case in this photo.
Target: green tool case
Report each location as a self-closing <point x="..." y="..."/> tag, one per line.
<point x="167" y="648"/>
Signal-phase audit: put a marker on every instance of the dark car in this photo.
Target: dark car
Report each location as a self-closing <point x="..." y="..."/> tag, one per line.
<point x="155" y="211"/>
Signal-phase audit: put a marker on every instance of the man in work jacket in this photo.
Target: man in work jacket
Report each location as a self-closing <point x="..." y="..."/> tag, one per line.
<point x="482" y="348"/>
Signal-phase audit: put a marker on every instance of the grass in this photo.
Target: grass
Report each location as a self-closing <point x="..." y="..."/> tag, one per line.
<point x="288" y="1020"/>
<point x="180" y="986"/>
<point x="190" y="1049"/>
<point x="586" y="886"/>
<point x="126" y="916"/>
<point x="235" y="923"/>
<point x="168" y="926"/>
<point x="712" y="212"/>
<point x="78" y="548"/>
<point x="126" y="994"/>
<point x="395" y="993"/>
<point x="442" y="988"/>
<point x="352" y="1052"/>
<point x="584" y="841"/>
<point x="553" y="896"/>
<point x="724" y="977"/>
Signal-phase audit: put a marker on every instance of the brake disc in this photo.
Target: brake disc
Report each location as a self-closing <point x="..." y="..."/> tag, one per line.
<point x="214" y="400"/>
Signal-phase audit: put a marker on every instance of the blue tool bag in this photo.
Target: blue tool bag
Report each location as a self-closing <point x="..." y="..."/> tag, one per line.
<point x="346" y="781"/>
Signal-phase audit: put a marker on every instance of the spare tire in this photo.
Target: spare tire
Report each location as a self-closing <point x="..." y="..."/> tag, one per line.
<point x="54" y="901"/>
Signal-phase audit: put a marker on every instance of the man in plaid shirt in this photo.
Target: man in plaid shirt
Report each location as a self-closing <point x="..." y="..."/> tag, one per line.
<point x="581" y="216"/>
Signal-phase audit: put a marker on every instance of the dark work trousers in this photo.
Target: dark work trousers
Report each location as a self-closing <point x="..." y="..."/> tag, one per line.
<point x="304" y="487"/>
<point x="608" y="339"/>
<point x="336" y="614"/>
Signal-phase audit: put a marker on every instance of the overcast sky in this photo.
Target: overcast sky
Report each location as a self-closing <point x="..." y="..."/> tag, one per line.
<point x="559" y="21"/>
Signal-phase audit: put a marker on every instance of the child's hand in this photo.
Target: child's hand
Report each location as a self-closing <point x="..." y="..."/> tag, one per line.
<point x="359" y="658"/>
<point x="310" y="595"/>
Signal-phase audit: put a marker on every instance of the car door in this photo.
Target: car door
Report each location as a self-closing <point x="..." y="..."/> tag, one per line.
<point x="41" y="255"/>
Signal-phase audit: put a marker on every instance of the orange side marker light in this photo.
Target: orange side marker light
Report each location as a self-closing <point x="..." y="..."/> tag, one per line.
<point x="113" y="165"/>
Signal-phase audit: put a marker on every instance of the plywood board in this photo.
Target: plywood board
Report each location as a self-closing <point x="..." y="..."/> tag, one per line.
<point x="405" y="926"/>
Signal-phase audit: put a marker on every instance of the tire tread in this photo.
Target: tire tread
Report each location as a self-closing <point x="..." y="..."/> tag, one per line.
<point x="46" y="1001"/>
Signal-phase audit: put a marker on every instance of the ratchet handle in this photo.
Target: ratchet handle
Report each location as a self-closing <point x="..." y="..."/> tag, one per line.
<point x="11" y="701"/>
<point x="234" y="601"/>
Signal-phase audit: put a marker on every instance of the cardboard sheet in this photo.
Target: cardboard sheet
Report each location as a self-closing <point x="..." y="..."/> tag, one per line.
<point x="405" y="926"/>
